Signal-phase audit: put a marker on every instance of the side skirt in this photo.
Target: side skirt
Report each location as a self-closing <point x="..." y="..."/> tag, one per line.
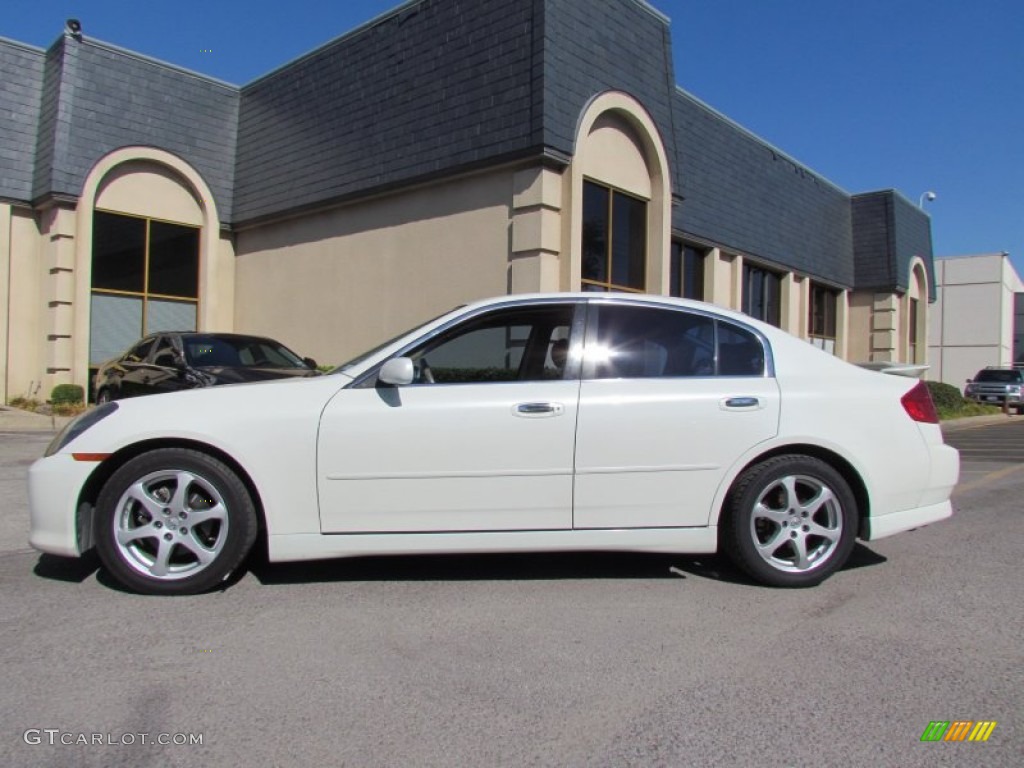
<point x="312" y="546"/>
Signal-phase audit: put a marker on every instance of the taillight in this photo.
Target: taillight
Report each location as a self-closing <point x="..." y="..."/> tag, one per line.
<point x="918" y="404"/>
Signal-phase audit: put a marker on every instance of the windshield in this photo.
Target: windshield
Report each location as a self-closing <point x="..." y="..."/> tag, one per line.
<point x="1000" y="377"/>
<point x="238" y="352"/>
<point x="371" y="352"/>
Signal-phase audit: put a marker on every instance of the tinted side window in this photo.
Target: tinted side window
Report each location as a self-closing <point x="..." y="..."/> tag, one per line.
<point x="641" y="342"/>
<point x="521" y="344"/>
<point x="740" y="352"/>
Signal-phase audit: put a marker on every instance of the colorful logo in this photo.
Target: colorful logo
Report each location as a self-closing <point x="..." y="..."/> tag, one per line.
<point x="959" y="730"/>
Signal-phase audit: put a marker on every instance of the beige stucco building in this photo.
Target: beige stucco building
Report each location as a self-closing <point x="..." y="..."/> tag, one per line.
<point x="398" y="171"/>
<point x="973" y="320"/>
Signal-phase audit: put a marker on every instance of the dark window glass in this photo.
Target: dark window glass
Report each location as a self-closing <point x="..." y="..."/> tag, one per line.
<point x="999" y="376"/>
<point x="173" y="260"/>
<point x="118" y="252"/>
<point x="614" y="248"/>
<point x="740" y="352"/>
<point x="687" y="272"/>
<point x="640" y="342"/>
<point x="629" y="227"/>
<point x="522" y="344"/>
<point x="912" y="337"/>
<point x="1018" y="335"/>
<point x="762" y="294"/>
<point x="125" y="304"/>
<point x="823" y="312"/>
<point x="595" y="232"/>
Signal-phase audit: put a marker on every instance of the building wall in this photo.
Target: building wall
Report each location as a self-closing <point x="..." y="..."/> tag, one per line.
<point x="24" y="316"/>
<point x="435" y="155"/>
<point x="334" y="283"/>
<point x="972" y="323"/>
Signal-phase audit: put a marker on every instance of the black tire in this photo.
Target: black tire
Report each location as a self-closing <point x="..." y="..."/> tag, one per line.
<point x="103" y="396"/>
<point x="174" y="521"/>
<point x="790" y="521"/>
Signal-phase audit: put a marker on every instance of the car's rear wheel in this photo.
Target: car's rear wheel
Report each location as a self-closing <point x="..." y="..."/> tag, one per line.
<point x="790" y="521"/>
<point x="174" y="521"/>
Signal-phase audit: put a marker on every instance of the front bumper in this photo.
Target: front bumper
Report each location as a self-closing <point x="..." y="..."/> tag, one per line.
<point x="995" y="398"/>
<point x="54" y="487"/>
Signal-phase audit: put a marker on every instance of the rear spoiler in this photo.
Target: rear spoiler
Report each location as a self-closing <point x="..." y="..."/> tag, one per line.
<point x="913" y="370"/>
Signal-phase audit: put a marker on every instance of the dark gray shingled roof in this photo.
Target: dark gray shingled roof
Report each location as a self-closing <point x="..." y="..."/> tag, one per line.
<point x="888" y="232"/>
<point x="744" y="194"/>
<point x="97" y="98"/>
<point x="21" y="87"/>
<point x="439" y="86"/>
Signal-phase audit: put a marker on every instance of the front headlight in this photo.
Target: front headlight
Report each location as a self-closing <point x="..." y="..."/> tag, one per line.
<point x="78" y="425"/>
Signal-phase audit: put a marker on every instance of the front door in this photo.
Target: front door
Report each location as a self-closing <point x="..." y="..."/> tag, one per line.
<point x="482" y="440"/>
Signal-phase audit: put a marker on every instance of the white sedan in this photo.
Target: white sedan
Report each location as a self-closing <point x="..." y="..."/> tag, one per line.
<point x="523" y="423"/>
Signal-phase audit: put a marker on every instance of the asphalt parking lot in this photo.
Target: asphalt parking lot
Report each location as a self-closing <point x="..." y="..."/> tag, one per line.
<point x="576" y="660"/>
<point x="992" y="445"/>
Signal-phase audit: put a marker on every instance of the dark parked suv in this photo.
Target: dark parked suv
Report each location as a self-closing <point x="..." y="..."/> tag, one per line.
<point x="997" y="386"/>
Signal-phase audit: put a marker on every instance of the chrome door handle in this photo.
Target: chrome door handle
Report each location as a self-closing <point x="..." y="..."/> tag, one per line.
<point x="538" y="409"/>
<point x="742" y="402"/>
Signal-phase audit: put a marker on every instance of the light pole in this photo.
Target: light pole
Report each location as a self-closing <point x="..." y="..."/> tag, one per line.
<point x="929" y="196"/>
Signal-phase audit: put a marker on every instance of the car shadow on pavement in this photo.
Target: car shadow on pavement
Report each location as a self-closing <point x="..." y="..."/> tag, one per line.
<point x="69" y="569"/>
<point x="518" y="567"/>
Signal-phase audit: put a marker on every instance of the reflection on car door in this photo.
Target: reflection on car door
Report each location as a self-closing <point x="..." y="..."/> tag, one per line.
<point x="482" y="441"/>
<point x="669" y="399"/>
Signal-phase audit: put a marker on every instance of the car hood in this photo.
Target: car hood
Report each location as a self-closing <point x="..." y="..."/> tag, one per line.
<point x="232" y="375"/>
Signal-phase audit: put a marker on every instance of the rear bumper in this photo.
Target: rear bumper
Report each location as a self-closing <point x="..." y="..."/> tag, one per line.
<point x="907" y="520"/>
<point x="934" y="504"/>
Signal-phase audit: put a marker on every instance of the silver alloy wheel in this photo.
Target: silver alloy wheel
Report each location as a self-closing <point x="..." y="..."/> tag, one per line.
<point x="796" y="524"/>
<point x="170" y="524"/>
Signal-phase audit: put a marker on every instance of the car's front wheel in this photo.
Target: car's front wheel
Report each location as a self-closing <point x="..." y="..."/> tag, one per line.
<point x="790" y="521"/>
<point x="174" y="521"/>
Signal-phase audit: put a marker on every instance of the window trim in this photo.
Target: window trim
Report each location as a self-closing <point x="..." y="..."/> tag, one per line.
<point x="748" y="268"/>
<point x="145" y="295"/>
<point x="588" y="372"/>
<point x="368" y="379"/>
<point x="607" y="286"/>
<point x="702" y="252"/>
<point x="834" y="294"/>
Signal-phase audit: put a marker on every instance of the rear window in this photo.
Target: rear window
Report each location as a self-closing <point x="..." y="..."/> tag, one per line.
<point x="1000" y="377"/>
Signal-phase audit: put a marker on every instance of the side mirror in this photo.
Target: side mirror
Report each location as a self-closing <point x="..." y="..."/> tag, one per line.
<point x="398" y="371"/>
<point x="310" y="362"/>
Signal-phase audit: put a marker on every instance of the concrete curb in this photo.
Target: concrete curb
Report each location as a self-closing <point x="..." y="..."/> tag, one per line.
<point x="954" y="425"/>
<point x="17" y="420"/>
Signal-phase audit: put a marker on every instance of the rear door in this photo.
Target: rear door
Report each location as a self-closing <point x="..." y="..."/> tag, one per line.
<point x="670" y="398"/>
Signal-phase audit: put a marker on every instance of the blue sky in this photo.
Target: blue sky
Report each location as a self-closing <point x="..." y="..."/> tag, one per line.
<point x="915" y="95"/>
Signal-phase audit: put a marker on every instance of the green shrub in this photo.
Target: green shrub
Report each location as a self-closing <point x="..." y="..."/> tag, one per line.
<point x="946" y="396"/>
<point x="67" y="394"/>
